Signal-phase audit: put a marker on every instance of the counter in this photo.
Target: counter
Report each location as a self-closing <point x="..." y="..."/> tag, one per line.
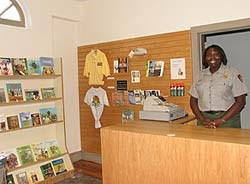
<point x="151" y="152"/>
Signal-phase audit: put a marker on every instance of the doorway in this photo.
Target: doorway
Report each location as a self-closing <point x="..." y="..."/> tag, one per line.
<point x="234" y="38"/>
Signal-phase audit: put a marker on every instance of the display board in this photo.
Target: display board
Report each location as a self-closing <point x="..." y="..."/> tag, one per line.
<point x="162" y="47"/>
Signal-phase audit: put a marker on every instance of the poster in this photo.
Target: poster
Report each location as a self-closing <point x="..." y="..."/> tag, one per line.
<point x="178" y="68"/>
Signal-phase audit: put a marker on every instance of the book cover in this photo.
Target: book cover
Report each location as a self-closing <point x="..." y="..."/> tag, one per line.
<point x="10" y="179"/>
<point x="178" y="68"/>
<point x="47" y="170"/>
<point x="25" y="119"/>
<point x="32" y="177"/>
<point x="34" y="66"/>
<point x="40" y="151"/>
<point x="3" y="123"/>
<point x="127" y="115"/>
<point x="131" y="97"/>
<point x="36" y="120"/>
<point x="59" y="166"/>
<point x="31" y="94"/>
<point x="12" y="159"/>
<point x="120" y="98"/>
<point x="22" y="178"/>
<point x="48" y="115"/>
<point x="14" y="91"/>
<point x="122" y="84"/>
<point x="25" y="155"/>
<point x="19" y="66"/>
<point x="13" y="122"/>
<point x="48" y="93"/>
<point x="138" y="97"/>
<point x="151" y="93"/>
<point x="6" y="66"/>
<point x="47" y="65"/>
<point x="155" y="68"/>
<point x="3" y="160"/>
<point x="135" y="76"/>
<point x="123" y="64"/>
<point x="116" y="66"/>
<point x="2" y="96"/>
<point x="52" y="147"/>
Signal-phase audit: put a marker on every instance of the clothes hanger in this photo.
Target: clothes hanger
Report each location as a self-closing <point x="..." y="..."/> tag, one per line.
<point x="95" y="50"/>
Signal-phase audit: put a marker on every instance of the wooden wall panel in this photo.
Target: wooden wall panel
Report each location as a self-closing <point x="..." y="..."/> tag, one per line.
<point x="159" y="47"/>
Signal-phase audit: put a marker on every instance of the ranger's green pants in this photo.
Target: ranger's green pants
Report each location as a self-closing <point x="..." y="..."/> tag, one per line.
<point x="232" y="123"/>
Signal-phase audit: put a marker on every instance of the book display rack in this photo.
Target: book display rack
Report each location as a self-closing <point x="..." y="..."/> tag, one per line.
<point x="32" y="133"/>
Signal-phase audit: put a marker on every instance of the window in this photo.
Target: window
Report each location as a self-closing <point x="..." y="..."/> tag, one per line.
<point x="11" y="13"/>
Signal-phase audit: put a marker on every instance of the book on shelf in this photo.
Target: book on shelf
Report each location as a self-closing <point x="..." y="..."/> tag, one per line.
<point x="6" y="66"/>
<point x="19" y="66"/>
<point x="127" y="115"/>
<point x="32" y="177"/>
<point x="14" y="91"/>
<point x="36" y="120"/>
<point x="22" y="178"/>
<point x="31" y="94"/>
<point x="47" y="65"/>
<point x="12" y="161"/>
<point x="52" y="147"/>
<point x="59" y="166"/>
<point x="13" y="122"/>
<point x="40" y="151"/>
<point x="10" y="179"/>
<point x="34" y="66"/>
<point x="25" y="119"/>
<point x="48" y="93"/>
<point x="47" y="170"/>
<point x="2" y="96"/>
<point x="154" y="68"/>
<point x="25" y="155"/>
<point x="48" y="115"/>
<point x="3" y="123"/>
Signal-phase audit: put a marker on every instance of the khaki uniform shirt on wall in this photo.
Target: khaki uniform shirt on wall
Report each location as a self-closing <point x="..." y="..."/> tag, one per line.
<point x="96" y="65"/>
<point x="216" y="92"/>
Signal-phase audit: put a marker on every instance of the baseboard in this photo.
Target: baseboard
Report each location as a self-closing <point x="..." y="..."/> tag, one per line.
<point x="81" y="155"/>
<point x="76" y="156"/>
<point x="92" y="157"/>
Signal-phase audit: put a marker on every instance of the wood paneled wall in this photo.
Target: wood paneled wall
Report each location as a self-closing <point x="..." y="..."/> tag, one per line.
<point x="159" y="47"/>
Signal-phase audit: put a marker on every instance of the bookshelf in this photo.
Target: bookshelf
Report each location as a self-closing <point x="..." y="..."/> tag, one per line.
<point x="11" y="139"/>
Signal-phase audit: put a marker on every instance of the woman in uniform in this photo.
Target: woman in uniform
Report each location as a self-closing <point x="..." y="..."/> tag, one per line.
<point x="219" y="95"/>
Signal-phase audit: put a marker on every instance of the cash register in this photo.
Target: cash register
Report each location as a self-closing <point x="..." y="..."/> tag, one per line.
<point x="157" y="108"/>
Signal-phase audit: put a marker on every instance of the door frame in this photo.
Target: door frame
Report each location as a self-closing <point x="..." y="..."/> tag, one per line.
<point x="198" y="32"/>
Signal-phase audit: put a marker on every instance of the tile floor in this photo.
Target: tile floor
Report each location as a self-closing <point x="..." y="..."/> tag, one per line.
<point x="81" y="179"/>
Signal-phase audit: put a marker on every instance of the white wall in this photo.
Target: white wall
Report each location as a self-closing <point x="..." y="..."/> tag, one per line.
<point x="107" y="20"/>
<point x="37" y="40"/>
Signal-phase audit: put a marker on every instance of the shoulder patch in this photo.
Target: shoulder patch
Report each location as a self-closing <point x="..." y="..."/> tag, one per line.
<point x="240" y="77"/>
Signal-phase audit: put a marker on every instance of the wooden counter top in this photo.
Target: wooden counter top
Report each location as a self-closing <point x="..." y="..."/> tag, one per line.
<point x="176" y="128"/>
<point x="143" y="152"/>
